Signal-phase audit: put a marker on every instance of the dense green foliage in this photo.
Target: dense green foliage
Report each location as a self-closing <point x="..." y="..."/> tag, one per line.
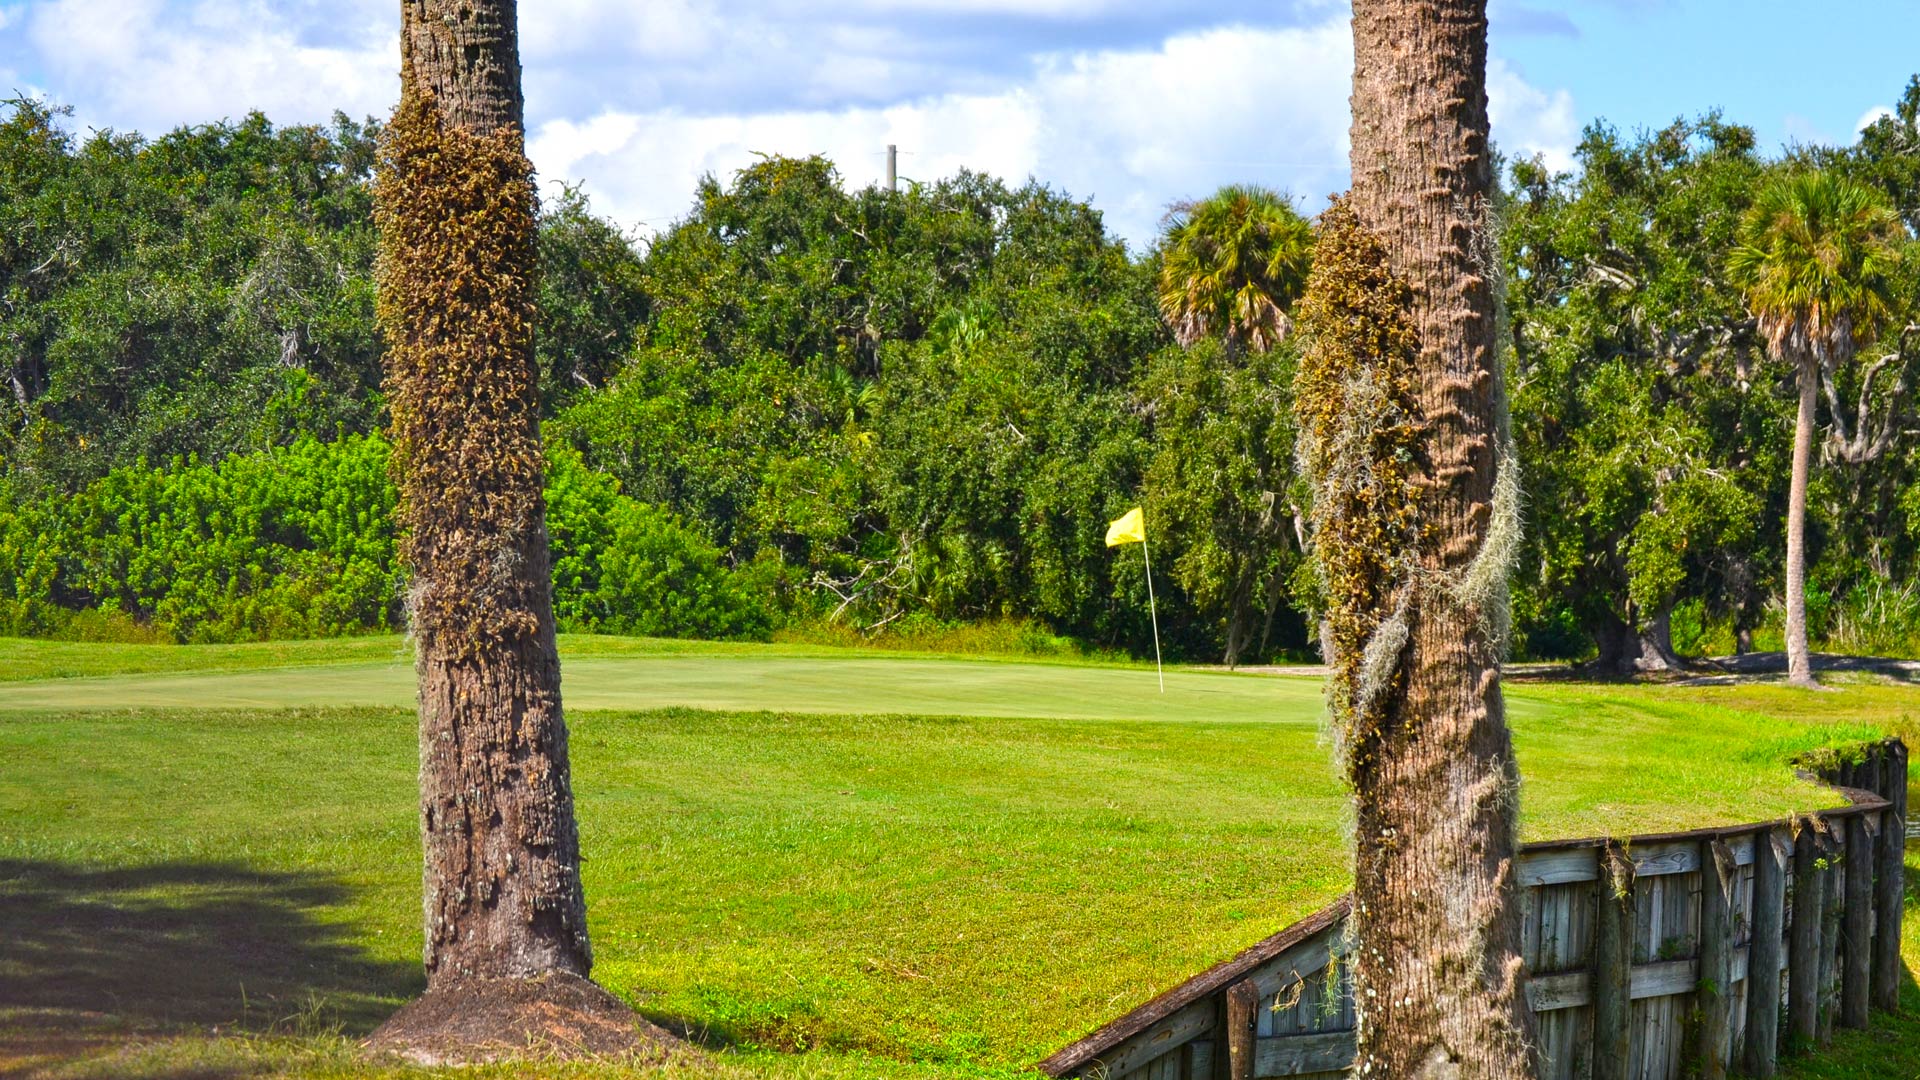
<point x="912" y="402"/>
<point x="625" y="567"/>
<point x="1634" y="404"/>
<point x="206" y="292"/>
<point x="293" y="542"/>
<point x="873" y="409"/>
<point x="298" y="541"/>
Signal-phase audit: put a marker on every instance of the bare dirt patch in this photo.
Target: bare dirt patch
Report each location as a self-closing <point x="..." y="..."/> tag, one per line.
<point x="554" y="1015"/>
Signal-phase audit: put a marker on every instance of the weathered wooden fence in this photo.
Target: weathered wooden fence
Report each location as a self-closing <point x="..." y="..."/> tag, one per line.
<point x="1649" y="958"/>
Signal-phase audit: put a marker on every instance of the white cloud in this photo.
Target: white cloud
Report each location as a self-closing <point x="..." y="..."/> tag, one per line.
<point x="1132" y="130"/>
<point x="552" y="29"/>
<point x="641" y="169"/>
<point x="639" y="100"/>
<point x="1049" y="8"/>
<point x="1871" y="117"/>
<point x="1528" y="121"/>
<point x="147" y="66"/>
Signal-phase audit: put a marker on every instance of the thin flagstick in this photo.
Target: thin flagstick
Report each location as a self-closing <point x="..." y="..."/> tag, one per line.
<point x="1152" y="612"/>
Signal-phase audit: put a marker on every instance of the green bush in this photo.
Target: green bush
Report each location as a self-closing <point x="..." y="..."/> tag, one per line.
<point x="299" y="542"/>
<point x="292" y="542"/>
<point x="621" y="566"/>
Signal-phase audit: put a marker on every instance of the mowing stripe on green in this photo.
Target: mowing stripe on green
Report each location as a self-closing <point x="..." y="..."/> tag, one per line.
<point x="859" y="685"/>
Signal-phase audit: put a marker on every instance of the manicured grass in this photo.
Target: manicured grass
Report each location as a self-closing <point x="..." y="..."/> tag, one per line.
<point x="911" y="895"/>
<point x="837" y="682"/>
<point x="33" y="658"/>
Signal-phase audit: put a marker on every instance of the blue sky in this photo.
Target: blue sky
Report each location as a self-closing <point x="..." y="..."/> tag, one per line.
<point x="1133" y="103"/>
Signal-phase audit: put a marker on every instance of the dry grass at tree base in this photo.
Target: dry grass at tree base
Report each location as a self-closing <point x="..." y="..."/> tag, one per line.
<point x="802" y="895"/>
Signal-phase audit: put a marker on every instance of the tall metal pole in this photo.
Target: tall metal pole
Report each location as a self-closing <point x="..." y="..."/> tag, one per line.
<point x="893" y="167"/>
<point x="1153" y="612"/>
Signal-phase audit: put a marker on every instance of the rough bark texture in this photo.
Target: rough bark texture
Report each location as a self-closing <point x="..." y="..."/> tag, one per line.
<point x="1799" y="659"/>
<point x="1438" y="972"/>
<point x="465" y="55"/>
<point x="456" y="201"/>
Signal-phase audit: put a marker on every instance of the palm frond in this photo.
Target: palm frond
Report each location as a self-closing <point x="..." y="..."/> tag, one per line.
<point x="1232" y="265"/>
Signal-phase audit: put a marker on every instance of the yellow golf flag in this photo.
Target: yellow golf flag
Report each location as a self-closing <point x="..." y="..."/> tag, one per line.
<point x="1128" y="528"/>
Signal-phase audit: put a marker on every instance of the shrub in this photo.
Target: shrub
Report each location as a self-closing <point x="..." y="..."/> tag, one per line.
<point x="299" y="542"/>
<point x="292" y="542"/>
<point x="621" y="566"/>
<point x="1876" y="618"/>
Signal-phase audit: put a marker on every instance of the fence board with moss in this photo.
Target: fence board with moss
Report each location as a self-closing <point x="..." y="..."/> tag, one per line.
<point x="1652" y="957"/>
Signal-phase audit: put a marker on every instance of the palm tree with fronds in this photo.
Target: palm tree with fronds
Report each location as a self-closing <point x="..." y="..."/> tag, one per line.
<point x="1232" y="265"/>
<point x="1816" y="257"/>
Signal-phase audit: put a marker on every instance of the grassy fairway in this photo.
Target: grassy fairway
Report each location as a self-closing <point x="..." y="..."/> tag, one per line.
<point x="845" y="872"/>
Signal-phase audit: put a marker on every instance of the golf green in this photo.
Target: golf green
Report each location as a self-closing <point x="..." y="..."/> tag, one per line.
<point x="865" y="685"/>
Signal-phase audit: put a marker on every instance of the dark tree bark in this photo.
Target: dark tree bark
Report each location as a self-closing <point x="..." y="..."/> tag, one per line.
<point x="465" y="55"/>
<point x="506" y="931"/>
<point x="1438" y="972"/>
<point x="1626" y="650"/>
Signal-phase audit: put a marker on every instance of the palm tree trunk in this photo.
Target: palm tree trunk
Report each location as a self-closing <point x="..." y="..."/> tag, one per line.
<point x="1799" y="659"/>
<point x="455" y="201"/>
<point x="1438" y="972"/>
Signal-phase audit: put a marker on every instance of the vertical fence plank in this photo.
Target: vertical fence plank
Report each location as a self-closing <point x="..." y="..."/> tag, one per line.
<point x="1763" y="951"/>
<point x="1890" y="881"/>
<point x="1834" y="894"/>
<point x="1613" y="924"/>
<point x="1889" y="884"/>
<point x="1718" y="879"/>
<point x="1857" y="925"/>
<point x="1242" y="998"/>
<point x="1803" y="953"/>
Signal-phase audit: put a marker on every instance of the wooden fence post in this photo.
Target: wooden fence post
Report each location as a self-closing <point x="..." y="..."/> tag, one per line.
<point x="1613" y="964"/>
<point x="1835" y="896"/>
<point x="1764" y="947"/>
<point x="1857" y="927"/>
<point x="1719" y="876"/>
<point x="1803" y="952"/>
<point x="1243" y="998"/>
<point x="1890" y="882"/>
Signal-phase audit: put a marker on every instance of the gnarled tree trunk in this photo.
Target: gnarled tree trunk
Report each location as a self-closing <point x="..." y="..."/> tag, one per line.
<point x="506" y="933"/>
<point x="1438" y="972"/>
<point x="1627" y="649"/>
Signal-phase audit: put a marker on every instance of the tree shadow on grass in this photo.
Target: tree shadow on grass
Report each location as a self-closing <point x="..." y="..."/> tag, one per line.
<point x="89" y="956"/>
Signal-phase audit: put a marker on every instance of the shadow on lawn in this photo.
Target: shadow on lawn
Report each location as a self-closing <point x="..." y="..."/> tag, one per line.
<point x="172" y="946"/>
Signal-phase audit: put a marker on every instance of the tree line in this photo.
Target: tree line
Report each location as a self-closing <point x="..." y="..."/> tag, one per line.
<point x="804" y="404"/>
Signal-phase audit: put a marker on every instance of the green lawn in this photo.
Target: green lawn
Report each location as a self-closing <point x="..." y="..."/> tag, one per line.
<point x="907" y="866"/>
